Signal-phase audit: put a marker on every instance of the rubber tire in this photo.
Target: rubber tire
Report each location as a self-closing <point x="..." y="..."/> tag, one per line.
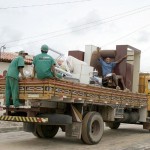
<point x="45" y="131"/>
<point x="92" y="128"/>
<point x="36" y="133"/>
<point x="113" y="125"/>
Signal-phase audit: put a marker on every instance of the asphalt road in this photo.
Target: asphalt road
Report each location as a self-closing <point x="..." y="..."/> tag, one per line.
<point x="127" y="137"/>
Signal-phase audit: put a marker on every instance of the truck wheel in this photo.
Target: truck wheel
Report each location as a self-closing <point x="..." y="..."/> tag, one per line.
<point x="36" y="132"/>
<point x="92" y="128"/>
<point x="32" y="127"/>
<point x="113" y="125"/>
<point x="46" y="131"/>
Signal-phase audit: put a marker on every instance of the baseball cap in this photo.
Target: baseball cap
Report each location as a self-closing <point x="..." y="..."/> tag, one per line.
<point x="23" y="52"/>
<point x="45" y="48"/>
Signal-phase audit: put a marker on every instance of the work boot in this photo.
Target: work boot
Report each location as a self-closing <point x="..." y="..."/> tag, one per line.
<point x="126" y="90"/>
<point x="7" y="106"/>
<point x="17" y="104"/>
<point x="117" y="88"/>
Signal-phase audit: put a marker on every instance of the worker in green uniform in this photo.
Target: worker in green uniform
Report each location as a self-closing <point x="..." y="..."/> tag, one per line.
<point x="44" y="64"/>
<point x="12" y="77"/>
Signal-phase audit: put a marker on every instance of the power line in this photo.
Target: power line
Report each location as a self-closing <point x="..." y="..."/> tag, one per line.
<point x="40" y="5"/>
<point x="73" y="30"/>
<point x="81" y="29"/>
<point x="126" y="35"/>
<point x="120" y="16"/>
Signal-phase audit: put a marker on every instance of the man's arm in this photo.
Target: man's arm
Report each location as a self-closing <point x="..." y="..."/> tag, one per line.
<point x="100" y="60"/>
<point x="33" y="73"/>
<point x="21" y="66"/>
<point x="21" y="72"/>
<point x="119" y="60"/>
<point x="53" y="70"/>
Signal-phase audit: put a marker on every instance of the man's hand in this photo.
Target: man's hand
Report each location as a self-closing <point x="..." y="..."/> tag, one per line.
<point x="56" y="78"/>
<point x="125" y="56"/>
<point x="121" y="59"/>
<point x="98" y="59"/>
<point x="32" y="76"/>
<point x="23" y="77"/>
<point x="33" y="73"/>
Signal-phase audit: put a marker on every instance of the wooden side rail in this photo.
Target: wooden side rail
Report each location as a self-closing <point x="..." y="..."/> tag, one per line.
<point x="66" y="90"/>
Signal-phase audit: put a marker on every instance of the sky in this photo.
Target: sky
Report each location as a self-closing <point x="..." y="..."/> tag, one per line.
<point x="71" y="24"/>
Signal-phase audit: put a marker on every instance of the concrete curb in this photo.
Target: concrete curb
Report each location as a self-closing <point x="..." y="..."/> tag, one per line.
<point x="11" y="129"/>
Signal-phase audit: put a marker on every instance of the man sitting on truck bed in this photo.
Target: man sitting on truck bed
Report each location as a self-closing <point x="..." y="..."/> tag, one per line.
<point x="107" y="68"/>
<point x="44" y="64"/>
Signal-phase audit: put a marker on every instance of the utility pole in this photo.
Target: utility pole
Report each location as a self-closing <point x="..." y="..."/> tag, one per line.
<point x="2" y="47"/>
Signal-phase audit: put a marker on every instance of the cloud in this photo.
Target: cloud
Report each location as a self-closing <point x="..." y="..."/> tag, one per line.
<point x="144" y="36"/>
<point x="8" y="34"/>
<point x="83" y="25"/>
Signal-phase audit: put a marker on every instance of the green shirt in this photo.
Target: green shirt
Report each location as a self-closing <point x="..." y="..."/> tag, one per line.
<point x="13" y="70"/>
<point x="43" y="64"/>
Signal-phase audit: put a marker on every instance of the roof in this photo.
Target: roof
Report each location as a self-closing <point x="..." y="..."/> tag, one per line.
<point x="8" y="57"/>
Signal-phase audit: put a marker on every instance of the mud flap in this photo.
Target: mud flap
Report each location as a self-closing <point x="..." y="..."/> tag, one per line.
<point x="74" y="130"/>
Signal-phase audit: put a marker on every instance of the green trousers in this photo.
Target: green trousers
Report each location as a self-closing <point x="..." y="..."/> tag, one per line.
<point x="12" y="90"/>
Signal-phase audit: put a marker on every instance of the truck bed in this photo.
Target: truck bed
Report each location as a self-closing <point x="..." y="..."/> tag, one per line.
<point x="70" y="92"/>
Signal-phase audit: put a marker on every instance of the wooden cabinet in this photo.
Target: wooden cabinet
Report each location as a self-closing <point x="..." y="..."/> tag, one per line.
<point x="129" y="68"/>
<point x="77" y="54"/>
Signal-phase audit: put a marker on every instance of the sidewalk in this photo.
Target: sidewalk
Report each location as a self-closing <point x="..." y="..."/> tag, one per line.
<point x="6" y="126"/>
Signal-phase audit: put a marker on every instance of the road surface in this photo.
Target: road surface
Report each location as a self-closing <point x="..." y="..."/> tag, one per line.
<point x="127" y="137"/>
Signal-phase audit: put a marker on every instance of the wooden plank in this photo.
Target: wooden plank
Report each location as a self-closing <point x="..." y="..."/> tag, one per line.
<point x="66" y="91"/>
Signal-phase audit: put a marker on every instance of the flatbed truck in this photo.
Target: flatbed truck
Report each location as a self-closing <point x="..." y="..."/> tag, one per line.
<point x="79" y="109"/>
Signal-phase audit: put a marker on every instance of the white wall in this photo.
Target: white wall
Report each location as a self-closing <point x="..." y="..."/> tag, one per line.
<point x="5" y="65"/>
